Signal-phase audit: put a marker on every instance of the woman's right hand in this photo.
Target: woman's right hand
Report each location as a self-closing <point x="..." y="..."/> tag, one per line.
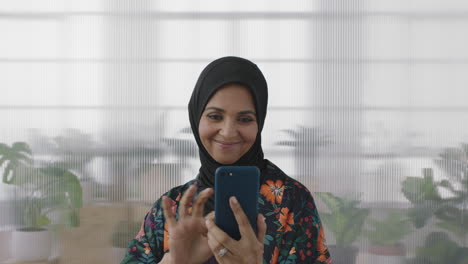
<point x="187" y="235"/>
<point x="249" y="249"/>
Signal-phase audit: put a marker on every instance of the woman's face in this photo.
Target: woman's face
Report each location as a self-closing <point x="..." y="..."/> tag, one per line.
<point x="228" y="126"/>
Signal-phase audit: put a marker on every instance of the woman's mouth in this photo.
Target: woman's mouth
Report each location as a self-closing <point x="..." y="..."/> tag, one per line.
<point x="226" y="144"/>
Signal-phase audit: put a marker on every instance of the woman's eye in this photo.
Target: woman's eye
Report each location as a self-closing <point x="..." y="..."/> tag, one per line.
<point x="246" y="119"/>
<point x="215" y="117"/>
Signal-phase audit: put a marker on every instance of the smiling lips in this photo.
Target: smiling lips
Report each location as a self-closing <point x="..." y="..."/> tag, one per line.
<point x="224" y="144"/>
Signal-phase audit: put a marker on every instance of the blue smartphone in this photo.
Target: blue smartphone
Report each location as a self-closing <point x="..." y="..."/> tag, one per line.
<point x="241" y="182"/>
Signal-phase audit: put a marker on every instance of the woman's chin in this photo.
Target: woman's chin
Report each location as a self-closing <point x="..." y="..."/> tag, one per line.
<point x="226" y="161"/>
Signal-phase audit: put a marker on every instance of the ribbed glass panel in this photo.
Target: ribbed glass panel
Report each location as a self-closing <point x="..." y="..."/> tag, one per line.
<point x="367" y="101"/>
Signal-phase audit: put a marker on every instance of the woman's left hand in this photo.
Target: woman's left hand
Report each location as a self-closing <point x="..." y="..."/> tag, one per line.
<point x="249" y="249"/>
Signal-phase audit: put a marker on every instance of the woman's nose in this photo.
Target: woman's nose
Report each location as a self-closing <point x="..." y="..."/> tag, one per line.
<point x="228" y="129"/>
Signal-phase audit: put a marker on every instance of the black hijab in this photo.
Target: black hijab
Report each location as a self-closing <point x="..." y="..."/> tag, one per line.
<point x="223" y="71"/>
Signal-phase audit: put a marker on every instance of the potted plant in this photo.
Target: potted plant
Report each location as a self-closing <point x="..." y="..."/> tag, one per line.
<point x="385" y="236"/>
<point x="345" y="221"/>
<point x="73" y="150"/>
<point x="439" y="248"/>
<point x="123" y="233"/>
<point x="449" y="210"/>
<point x="49" y="196"/>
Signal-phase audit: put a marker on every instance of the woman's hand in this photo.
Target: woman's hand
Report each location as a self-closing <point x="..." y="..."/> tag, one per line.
<point x="187" y="235"/>
<point x="249" y="249"/>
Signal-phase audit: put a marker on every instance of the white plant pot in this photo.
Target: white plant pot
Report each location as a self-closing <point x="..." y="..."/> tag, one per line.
<point x="5" y="236"/>
<point x="31" y="245"/>
<point x="118" y="254"/>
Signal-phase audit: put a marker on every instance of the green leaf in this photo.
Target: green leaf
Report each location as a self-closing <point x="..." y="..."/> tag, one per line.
<point x="439" y="249"/>
<point x="19" y="154"/>
<point x="301" y="239"/>
<point x="3" y="159"/>
<point x="9" y="173"/>
<point x="333" y="203"/>
<point x="458" y="227"/>
<point x="42" y="220"/>
<point x="269" y="213"/>
<point x="417" y="189"/>
<point x="22" y="147"/>
<point x="390" y="231"/>
<point x="68" y="185"/>
<point x="345" y="219"/>
<point x="260" y="201"/>
<point x="73" y="218"/>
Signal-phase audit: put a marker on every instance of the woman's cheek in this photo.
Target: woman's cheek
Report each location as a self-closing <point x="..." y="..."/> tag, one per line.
<point x="251" y="134"/>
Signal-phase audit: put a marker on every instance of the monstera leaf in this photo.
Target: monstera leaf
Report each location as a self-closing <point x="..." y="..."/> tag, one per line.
<point x="46" y="189"/>
<point x="63" y="192"/>
<point x="19" y="154"/>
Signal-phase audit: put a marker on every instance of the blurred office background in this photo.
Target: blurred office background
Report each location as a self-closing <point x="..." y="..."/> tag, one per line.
<point x="368" y="108"/>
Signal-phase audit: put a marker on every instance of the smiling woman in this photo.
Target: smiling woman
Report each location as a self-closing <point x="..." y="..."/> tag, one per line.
<point x="227" y="111"/>
<point x="228" y="126"/>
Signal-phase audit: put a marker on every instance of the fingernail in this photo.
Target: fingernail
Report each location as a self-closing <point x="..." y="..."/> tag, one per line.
<point x="234" y="200"/>
<point x="207" y="222"/>
<point x="263" y="219"/>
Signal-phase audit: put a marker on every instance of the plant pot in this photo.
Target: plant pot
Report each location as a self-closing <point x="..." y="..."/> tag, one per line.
<point x="118" y="254"/>
<point x="397" y="250"/>
<point x="4" y="251"/>
<point x="341" y="255"/>
<point x="31" y="244"/>
<point x="386" y="254"/>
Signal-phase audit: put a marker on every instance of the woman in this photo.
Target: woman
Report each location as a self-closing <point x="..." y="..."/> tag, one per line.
<point x="227" y="112"/>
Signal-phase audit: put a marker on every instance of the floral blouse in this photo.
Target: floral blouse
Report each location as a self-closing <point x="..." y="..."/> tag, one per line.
<point x="294" y="231"/>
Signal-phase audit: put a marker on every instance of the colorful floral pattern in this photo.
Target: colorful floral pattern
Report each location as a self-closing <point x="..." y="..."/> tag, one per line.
<point x="294" y="231"/>
<point x="286" y="219"/>
<point x="273" y="191"/>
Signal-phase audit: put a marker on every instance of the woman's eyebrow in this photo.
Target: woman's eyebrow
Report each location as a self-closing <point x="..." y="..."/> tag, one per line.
<point x="215" y="108"/>
<point x="247" y="112"/>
